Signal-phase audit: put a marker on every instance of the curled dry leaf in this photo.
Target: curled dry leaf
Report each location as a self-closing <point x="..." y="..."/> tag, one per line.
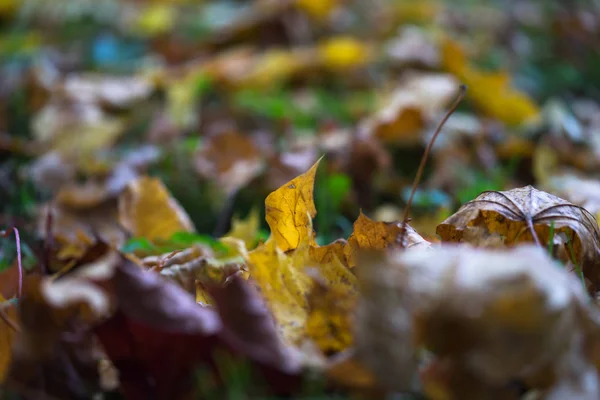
<point x="146" y="209"/>
<point x="525" y="215"/>
<point x="462" y="303"/>
<point x="231" y="159"/>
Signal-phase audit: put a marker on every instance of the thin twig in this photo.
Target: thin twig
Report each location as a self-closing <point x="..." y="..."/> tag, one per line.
<point x="461" y="95"/>
<point x="5" y="233"/>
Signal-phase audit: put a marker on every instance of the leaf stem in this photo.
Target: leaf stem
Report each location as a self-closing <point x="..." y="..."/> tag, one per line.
<point x="461" y="96"/>
<point x="533" y="233"/>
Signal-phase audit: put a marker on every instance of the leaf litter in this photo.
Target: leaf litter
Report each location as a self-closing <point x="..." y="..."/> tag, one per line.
<point x="292" y="131"/>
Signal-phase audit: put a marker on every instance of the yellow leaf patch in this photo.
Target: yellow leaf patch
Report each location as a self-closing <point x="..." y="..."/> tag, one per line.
<point x="289" y="210"/>
<point x="146" y="209"/>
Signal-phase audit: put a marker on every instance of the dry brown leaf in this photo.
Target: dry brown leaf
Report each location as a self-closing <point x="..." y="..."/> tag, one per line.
<point x="146" y="209"/>
<point x="377" y="235"/>
<point x="74" y="231"/>
<point x="525" y="215"/>
<point x="346" y="371"/>
<point x="384" y="326"/>
<point x="417" y="99"/>
<point x="462" y="304"/>
<point x="231" y="159"/>
<point x="77" y="130"/>
<point x="578" y="189"/>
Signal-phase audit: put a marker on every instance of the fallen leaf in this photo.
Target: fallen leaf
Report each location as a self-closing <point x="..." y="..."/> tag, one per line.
<point x="319" y="10"/>
<point x="55" y="353"/>
<point x="155" y="19"/>
<point x="384" y="329"/>
<point x="245" y="229"/>
<point x="415" y="297"/>
<point x="377" y="235"/>
<point x="289" y="211"/>
<point x="330" y="318"/>
<point x="113" y="91"/>
<point x="7" y="337"/>
<point x="341" y="53"/>
<point x="417" y="99"/>
<point x="346" y="371"/>
<point x="230" y="159"/>
<point x="76" y="130"/>
<point x="490" y="91"/>
<point x="240" y="306"/>
<point x="411" y="46"/>
<point x="284" y="285"/>
<point x="577" y="189"/>
<point x="146" y="209"/>
<point x="159" y="326"/>
<point x="525" y="215"/>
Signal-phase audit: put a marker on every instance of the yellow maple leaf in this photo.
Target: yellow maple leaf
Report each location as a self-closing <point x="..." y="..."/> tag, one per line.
<point x="329" y="322"/>
<point x="146" y="209"/>
<point x="490" y="92"/>
<point x="289" y="210"/>
<point x="284" y="270"/>
<point x="284" y="285"/>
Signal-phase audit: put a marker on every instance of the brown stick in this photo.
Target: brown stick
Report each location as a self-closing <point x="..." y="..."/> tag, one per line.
<point x="461" y="96"/>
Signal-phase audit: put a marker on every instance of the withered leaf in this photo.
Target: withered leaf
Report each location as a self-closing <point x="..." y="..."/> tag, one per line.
<point x="461" y="303"/>
<point x="240" y="306"/>
<point x="230" y="158"/>
<point x="525" y="215"/>
<point x="159" y="327"/>
<point x="377" y="235"/>
<point x="147" y="209"/>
